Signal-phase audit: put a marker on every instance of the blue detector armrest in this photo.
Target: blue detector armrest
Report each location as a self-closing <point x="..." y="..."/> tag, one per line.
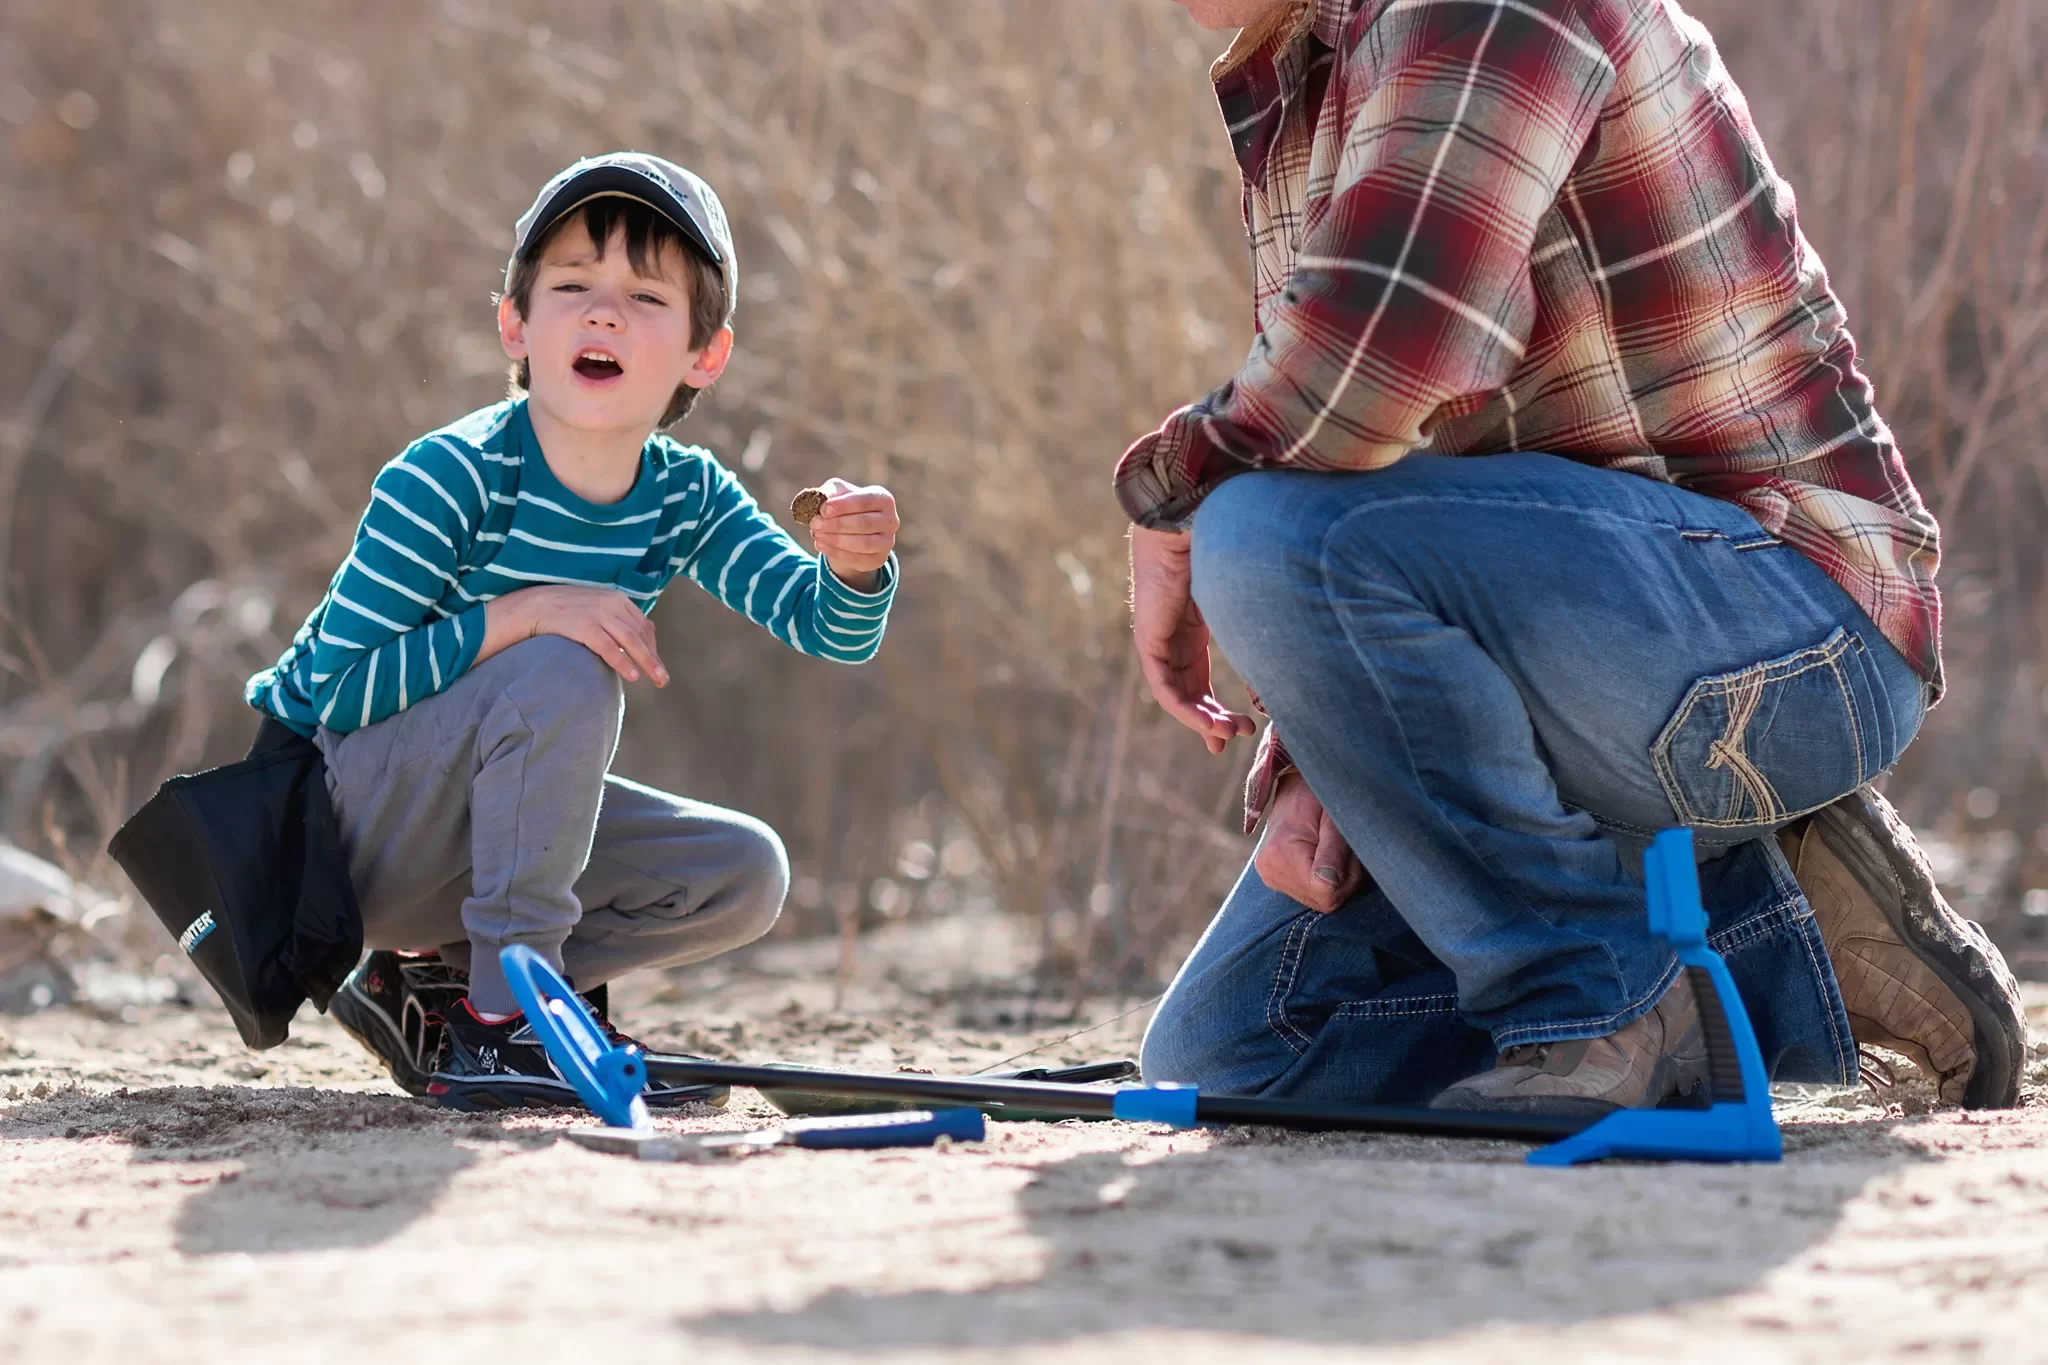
<point x="1736" y="1125"/>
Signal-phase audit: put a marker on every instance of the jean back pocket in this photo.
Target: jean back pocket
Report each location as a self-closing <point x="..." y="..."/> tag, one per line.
<point x="1768" y="743"/>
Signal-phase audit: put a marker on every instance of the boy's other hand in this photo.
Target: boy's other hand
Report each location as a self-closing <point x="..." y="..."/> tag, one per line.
<point x="855" y="532"/>
<point x="1302" y="856"/>
<point x="602" y="620"/>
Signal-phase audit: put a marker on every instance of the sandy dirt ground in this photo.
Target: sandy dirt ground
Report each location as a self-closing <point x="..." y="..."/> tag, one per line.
<point x="167" y="1196"/>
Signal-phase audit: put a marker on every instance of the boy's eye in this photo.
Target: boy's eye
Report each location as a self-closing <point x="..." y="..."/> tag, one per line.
<point x="569" y="288"/>
<point x="654" y="299"/>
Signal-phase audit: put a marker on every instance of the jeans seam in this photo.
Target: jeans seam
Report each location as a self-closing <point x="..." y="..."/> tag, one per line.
<point x="1291" y="955"/>
<point x="1758" y="926"/>
<point x="1824" y="972"/>
<point x="1418" y="1004"/>
<point x="1589" y="1028"/>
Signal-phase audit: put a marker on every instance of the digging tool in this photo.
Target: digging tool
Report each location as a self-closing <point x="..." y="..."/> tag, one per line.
<point x="917" y="1128"/>
<point x="809" y="1102"/>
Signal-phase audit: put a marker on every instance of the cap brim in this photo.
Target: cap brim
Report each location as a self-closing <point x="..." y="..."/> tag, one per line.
<point x="601" y="182"/>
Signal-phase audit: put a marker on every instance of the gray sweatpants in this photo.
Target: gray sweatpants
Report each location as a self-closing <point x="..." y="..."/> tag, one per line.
<point x="486" y="815"/>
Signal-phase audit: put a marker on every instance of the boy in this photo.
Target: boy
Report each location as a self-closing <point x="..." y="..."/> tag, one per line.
<point x="463" y="676"/>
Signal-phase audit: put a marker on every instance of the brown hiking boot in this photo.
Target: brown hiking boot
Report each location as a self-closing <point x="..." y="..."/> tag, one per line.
<point x="1917" y="978"/>
<point x="1652" y="1058"/>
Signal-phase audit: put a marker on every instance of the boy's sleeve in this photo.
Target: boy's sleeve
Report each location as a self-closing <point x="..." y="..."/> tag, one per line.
<point x="383" y="641"/>
<point x="743" y="557"/>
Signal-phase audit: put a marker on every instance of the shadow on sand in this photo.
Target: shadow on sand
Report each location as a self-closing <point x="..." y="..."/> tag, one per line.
<point x="307" y="1179"/>
<point x="1352" y="1240"/>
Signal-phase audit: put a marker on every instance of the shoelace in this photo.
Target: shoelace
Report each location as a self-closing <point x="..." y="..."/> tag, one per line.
<point x="612" y="1033"/>
<point x="1875" y="1073"/>
<point x="433" y="974"/>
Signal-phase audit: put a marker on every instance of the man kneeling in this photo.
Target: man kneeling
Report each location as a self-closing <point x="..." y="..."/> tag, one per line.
<point x="1691" y="584"/>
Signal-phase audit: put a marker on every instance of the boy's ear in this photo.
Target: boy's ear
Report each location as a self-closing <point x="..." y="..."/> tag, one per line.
<point x="710" y="362"/>
<point x="511" y="329"/>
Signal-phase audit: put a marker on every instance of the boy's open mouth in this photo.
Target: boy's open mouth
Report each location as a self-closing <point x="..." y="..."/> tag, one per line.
<point x="593" y="364"/>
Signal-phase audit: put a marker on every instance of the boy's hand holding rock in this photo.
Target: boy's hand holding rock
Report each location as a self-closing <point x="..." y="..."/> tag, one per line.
<point x="853" y="528"/>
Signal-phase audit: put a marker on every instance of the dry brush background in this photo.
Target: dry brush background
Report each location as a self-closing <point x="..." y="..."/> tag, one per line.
<point x="247" y="253"/>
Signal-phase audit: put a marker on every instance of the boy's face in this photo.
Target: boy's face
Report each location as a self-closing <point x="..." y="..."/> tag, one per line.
<point x="606" y="347"/>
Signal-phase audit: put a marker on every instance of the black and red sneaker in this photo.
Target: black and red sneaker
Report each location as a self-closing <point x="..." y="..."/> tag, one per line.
<point x="394" y="1005"/>
<point x="504" y="1066"/>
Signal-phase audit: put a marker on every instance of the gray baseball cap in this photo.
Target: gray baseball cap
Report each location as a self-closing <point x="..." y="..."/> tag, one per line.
<point x="679" y="195"/>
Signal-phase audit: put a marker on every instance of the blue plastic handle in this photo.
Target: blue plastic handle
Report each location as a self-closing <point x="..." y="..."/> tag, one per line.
<point x="917" y="1128"/>
<point x="608" y="1079"/>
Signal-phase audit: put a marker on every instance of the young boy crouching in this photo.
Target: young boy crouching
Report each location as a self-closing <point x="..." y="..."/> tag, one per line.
<point x="463" y="677"/>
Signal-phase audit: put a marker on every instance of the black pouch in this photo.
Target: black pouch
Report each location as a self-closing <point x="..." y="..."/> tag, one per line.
<point x="243" y="864"/>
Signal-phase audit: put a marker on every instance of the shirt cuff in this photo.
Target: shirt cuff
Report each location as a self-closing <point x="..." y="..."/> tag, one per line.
<point x="1155" y="479"/>
<point x="880" y="595"/>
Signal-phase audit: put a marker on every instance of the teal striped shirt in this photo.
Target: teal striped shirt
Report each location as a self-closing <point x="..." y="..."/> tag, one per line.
<point x="472" y="512"/>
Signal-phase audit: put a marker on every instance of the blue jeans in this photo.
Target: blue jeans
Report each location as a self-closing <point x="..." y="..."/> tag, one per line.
<point x="1501" y="675"/>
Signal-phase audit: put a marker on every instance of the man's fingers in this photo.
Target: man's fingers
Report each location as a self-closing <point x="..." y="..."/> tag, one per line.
<point x="1169" y="691"/>
<point x="1285" y="863"/>
<point x="1337" y="870"/>
<point x="1332" y="853"/>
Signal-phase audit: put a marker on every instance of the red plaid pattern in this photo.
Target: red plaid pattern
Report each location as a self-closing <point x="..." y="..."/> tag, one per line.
<point x="1482" y="226"/>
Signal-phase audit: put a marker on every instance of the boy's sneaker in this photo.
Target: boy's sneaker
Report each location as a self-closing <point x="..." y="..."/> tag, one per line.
<point x="1916" y="978"/>
<point x="504" y="1066"/>
<point x="394" y="1005"/>
<point x="1659" y="1056"/>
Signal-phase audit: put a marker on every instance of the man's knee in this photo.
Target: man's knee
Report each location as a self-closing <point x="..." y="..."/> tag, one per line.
<point x="1168" y="1053"/>
<point x="1257" y="545"/>
<point x="1193" y="1042"/>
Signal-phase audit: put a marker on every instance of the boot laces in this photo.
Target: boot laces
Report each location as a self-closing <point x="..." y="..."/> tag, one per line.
<point x="1875" y="1073"/>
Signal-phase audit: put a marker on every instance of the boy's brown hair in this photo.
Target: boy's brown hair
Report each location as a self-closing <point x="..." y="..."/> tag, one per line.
<point x="648" y="235"/>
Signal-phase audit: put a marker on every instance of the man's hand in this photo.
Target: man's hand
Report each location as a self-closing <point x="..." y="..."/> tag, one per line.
<point x="1173" y="640"/>
<point x="602" y="620"/>
<point x="856" y="531"/>
<point x="1302" y="855"/>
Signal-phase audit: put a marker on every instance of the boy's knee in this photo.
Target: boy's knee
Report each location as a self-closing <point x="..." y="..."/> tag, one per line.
<point x="560" y="680"/>
<point x="567" y="666"/>
<point x="760" y="881"/>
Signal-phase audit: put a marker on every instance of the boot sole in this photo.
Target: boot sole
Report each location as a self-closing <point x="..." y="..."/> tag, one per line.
<point x="1902" y="886"/>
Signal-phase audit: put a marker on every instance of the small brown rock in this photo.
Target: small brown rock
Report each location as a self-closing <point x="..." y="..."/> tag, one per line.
<point x="807" y="505"/>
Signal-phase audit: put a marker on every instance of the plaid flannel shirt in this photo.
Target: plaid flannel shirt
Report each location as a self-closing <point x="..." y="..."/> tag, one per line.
<point x="1481" y="226"/>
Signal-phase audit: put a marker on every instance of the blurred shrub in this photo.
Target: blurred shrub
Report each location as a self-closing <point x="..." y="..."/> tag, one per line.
<point x="249" y="253"/>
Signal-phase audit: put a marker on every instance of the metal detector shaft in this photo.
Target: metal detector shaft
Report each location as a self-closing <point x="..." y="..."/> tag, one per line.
<point x="1086" y="1102"/>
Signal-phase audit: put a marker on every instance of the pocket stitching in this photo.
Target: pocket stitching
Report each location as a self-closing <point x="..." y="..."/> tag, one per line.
<point x="1827" y="654"/>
